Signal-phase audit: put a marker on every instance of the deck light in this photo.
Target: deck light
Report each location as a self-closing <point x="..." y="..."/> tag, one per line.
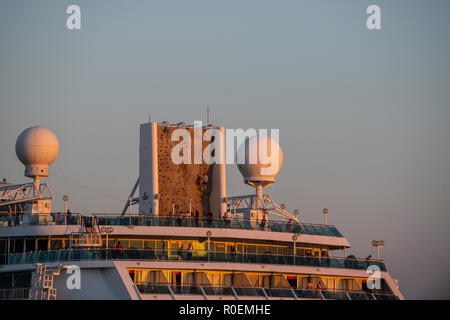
<point x="294" y="238"/>
<point x="378" y="244"/>
<point x="208" y="234"/>
<point x="325" y="212"/>
<point x="65" y="199"/>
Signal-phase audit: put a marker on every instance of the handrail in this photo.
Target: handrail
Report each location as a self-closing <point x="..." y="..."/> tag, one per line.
<point x="203" y="222"/>
<point x="204" y="218"/>
<point x="171" y="221"/>
<point x="169" y="255"/>
<point x="15" y="294"/>
<point x="295" y="293"/>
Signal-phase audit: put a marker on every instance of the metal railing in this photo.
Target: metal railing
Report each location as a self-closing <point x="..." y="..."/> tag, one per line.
<point x="198" y="255"/>
<point x="50" y="219"/>
<point x="15" y="294"/>
<point x="177" y="221"/>
<point x="192" y="222"/>
<point x="209" y="290"/>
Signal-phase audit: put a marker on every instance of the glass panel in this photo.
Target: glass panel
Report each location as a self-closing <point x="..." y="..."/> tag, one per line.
<point x="135" y="244"/>
<point x="149" y="245"/>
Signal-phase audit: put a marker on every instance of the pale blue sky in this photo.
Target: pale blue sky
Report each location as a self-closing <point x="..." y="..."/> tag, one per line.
<point x="363" y="115"/>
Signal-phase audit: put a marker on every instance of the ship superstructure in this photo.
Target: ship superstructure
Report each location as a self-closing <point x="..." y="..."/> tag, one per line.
<point x="187" y="240"/>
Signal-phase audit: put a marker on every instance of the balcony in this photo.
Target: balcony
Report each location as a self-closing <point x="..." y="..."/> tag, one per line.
<point x="205" y="256"/>
<point x="271" y="225"/>
<point x="118" y="220"/>
<point x="240" y="292"/>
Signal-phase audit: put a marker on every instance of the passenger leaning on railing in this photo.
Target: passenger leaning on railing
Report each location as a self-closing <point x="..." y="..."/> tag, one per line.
<point x="189" y="252"/>
<point x="209" y="217"/>
<point x="227" y="218"/>
<point x="289" y="225"/>
<point x="196" y="218"/>
<point x="179" y="220"/>
<point x="118" y="248"/>
<point x="263" y="222"/>
<point x="180" y="252"/>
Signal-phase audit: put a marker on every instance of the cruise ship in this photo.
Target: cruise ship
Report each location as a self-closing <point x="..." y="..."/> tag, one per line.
<point x="179" y="236"/>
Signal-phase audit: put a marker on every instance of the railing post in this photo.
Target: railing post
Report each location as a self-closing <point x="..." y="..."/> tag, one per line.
<point x="321" y="295"/>
<point x="293" y="293"/>
<point x="203" y="293"/>
<point x="265" y="294"/>
<point x="171" y="292"/>
<point x="234" y="293"/>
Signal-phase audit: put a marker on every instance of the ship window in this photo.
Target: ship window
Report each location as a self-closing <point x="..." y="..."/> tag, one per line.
<point x="174" y="246"/>
<point x="282" y="251"/>
<point x="349" y="285"/>
<point x="251" y="249"/>
<point x="55" y="244"/>
<point x="136" y="244"/>
<point x="199" y="249"/>
<point x="161" y="245"/>
<point x="42" y="245"/>
<point x="3" y="251"/>
<point x="149" y="244"/>
<point x="292" y="280"/>
<point x="220" y="250"/>
<point x="5" y="281"/>
<point x="215" y="278"/>
<point x="261" y="249"/>
<point x="254" y="279"/>
<point x="272" y="250"/>
<point x="220" y="247"/>
<point x="176" y="278"/>
<point x="30" y="245"/>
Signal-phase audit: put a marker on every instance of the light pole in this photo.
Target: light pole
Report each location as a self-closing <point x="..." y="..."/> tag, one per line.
<point x="190" y="207"/>
<point x="296" y="212"/>
<point x="378" y="244"/>
<point x="294" y="238"/>
<point x="65" y="199"/>
<point x="107" y="231"/>
<point x="325" y="212"/>
<point x="208" y="234"/>
<point x="235" y="204"/>
<point x="130" y="199"/>
<point x="283" y="206"/>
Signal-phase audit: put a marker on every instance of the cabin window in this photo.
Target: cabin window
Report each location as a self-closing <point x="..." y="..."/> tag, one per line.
<point x="42" y="245"/>
<point x="261" y="249"/>
<point x="282" y="251"/>
<point x="55" y="244"/>
<point x="136" y="244"/>
<point x="149" y="245"/>
<point x="30" y="245"/>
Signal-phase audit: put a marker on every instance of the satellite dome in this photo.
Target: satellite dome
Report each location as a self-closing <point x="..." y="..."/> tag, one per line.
<point x="37" y="148"/>
<point x="261" y="165"/>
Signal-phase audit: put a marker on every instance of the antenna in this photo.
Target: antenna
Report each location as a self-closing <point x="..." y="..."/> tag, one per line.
<point x="149" y="118"/>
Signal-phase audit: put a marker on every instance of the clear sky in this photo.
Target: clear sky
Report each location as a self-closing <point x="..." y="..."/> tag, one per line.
<point x="364" y="116"/>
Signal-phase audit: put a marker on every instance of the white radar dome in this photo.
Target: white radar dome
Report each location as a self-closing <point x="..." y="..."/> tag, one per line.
<point x="37" y="148"/>
<point x="262" y="162"/>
